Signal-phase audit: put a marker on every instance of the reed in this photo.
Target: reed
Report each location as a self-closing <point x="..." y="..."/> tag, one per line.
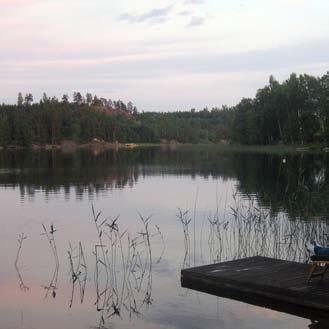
<point x="185" y="220"/>
<point x="52" y="286"/>
<point x="248" y="230"/>
<point x="21" y="238"/>
<point x="78" y="272"/>
<point x="128" y="264"/>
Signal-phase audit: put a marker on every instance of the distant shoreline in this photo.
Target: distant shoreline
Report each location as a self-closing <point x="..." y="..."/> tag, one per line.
<point x="72" y="146"/>
<point x="273" y="149"/>
<point x="103" y="146"/>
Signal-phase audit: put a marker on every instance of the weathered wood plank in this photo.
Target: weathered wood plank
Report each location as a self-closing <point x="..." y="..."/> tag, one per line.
<point x="261" y="277"/>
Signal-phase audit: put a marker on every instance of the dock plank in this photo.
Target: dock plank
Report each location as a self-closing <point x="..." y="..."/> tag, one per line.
<point x="261" y="277"/>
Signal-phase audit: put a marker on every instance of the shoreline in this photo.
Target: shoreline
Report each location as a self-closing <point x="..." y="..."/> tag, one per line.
<point x="274" y="149"/>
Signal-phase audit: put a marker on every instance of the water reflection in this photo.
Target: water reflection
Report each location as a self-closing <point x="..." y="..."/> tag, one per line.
<point x="50" y="236"/>
<point x="79" y="272"/>
<point x="316" y="320"/>
<point x="123" y="267"/>
<point x="298" y="185"/>
<point x="319" y="324"/>
<point x="132" y="291"/>
<point x="123" y="262"/>
<point x="22" y="285"/>
<point x="244" y="231"/>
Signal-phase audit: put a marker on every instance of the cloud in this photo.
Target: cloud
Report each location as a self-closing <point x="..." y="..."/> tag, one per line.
<point x="185" y="13"/>
<point x="194" y="2"/>
<point x="196" y="21"/>
<point x="155" y="15"/>
<point x="158" y="64"/>
<point x="188" y="77"/>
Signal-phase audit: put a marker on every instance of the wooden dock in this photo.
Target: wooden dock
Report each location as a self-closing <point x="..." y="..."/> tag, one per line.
<point x="268" y="282"/>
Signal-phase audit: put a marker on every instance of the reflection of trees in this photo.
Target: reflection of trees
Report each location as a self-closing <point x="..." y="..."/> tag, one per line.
<point x="247" y="230"/>
<point x="298" y="186"/>
<point x="90" y="173"/>
<point x="54" y="171"/>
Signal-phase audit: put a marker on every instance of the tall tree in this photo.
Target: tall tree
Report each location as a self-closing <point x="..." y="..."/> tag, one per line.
<point x="130" y="107"/>
<point x="77" y="98"/>
<point x="20" y="99"/>
<point x="28" y="99"/>
<point x="89" y="99"/>
<point x="65" y="99"/>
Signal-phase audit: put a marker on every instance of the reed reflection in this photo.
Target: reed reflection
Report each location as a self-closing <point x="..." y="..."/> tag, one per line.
<point x="123" y="266"/>
<point x="246" y="230"/>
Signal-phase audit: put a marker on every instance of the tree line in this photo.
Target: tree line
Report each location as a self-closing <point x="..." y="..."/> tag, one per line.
<point x="50" y="121"/>
<point x="295" y="111"/>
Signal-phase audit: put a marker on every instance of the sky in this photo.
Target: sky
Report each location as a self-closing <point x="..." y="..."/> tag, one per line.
<point x="162" y="55"/>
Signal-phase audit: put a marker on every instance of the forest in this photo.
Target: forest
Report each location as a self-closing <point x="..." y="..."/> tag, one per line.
<point x="295" y="111"/>
<point x="51" y="121"/>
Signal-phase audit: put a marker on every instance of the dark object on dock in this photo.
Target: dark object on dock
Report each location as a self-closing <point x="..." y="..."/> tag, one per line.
<point x="316" y="262"/>
<point x="262" y="281"/>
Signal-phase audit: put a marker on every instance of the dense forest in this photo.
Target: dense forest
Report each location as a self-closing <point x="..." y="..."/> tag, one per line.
<point x="50" y="121"/>
<point x="295" y="111"/>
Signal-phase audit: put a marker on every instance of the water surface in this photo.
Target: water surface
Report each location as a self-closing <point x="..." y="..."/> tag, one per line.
<point x="232" y="205"/>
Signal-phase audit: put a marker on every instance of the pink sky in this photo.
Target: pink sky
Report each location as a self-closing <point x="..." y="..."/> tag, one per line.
<point x="164" y="56"/>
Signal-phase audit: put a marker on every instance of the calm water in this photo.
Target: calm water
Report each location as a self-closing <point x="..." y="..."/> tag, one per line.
<point x="232" y="205"/>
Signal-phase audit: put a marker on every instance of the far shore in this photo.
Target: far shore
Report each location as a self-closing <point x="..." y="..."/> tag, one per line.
<point x="102" y="146"/>
<point x="273" y="149"/>
<point x="69" y="145"/>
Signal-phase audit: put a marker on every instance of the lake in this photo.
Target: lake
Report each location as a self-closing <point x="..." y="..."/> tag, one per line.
<point x="95" y="239"/>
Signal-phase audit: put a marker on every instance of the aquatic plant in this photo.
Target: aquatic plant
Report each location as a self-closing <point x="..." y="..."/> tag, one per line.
<point x="21" y="239"/>
<point x="52" y="286"/>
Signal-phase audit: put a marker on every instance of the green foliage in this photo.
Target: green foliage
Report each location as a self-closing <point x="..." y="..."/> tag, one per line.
<point x="76" y="131"/>
<point x="188" y="126"/>
<point x="50" y="122"/>
<point x="294" y="112"/>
